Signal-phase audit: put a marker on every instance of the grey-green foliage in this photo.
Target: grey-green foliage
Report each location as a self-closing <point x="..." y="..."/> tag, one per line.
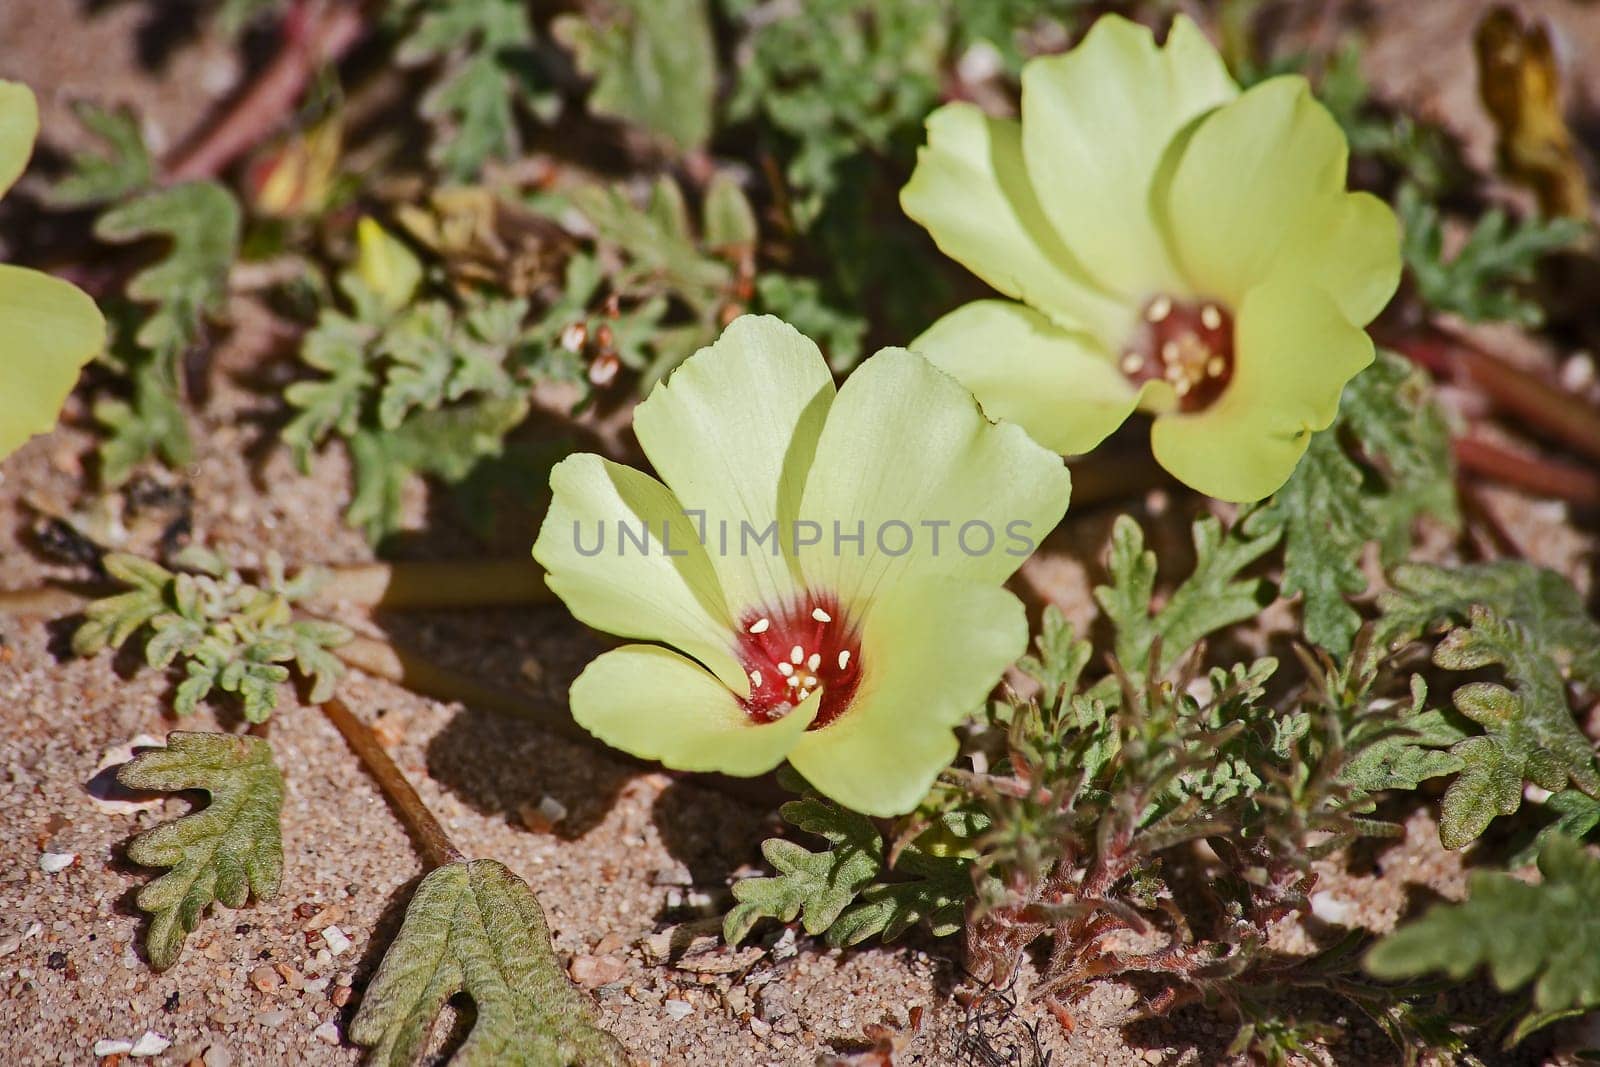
<point x="427" y="386"/>
<point x="1422" y="153"/>
<point x="125" y="165"/>
<point x="837" y="78"/>
<point x="1213" y="596"/>
<point x="228" y="633"/>
<point x="1484" y="279"/>
<point x="476" y="928"/>
<point x="1547" y="934"/>
<point x="653" y="63"/>
<point x="200" y="221"/>
<point x="222" y="853"/>
<point x="844" y="890"/>
<point x="488" y="74"/>
<point x="1365" y="480"/>
<point x="1529" y="624"/>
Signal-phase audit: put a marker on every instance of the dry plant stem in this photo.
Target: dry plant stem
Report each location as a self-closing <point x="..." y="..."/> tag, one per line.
<point x="315" y="33"/>
<point x="1544" y="406"/>
<point x="432" y="842"/>
<point x="1564" y="481"/>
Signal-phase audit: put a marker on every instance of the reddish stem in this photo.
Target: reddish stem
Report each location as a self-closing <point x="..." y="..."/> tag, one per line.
<point x="1540" y="403"/>
<point x="1534" y="474"/>
<point x="314" y="34"/>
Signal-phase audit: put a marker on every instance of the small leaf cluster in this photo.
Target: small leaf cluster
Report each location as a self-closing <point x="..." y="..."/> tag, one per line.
<point x="835" y="79"/>
<point x="224" y="853"/>
<point x="1383" y="464"/>
<point x="423" y="386"/>
<point x="1486" y="277"/>
<point x="476" y="928"/>
<point x="227" y="633"/>
<point x="848" y="891"/>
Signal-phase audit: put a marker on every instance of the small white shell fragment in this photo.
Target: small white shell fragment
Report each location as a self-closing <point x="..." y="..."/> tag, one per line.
<point x="1330" y="909"/>
<point x="337" y="941"/>
<point x="678" y="1009"/>
<point x="150" y="1044"/>
<point x="56" y="862"/>
<point x="111" y="1047"/>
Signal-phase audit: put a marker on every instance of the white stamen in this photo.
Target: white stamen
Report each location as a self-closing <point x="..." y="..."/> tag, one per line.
<point x="785" y="670"/>
<point x="1210" y="317"/>
<point x="1132" y="363"/>
<point x="1159" y="309"/>
<point x="1182" y="387"/>
<point x="755" y="679"/>
<point x="797" y="655"/>
<point x="792" y="682"/>
<point x="813" y="661"/>
<point x="1215" y="366"/>
<point x="1169" y="352"/>
<point x="844" y="659"/>
<point x="820" y="615"/>
<point x="760" y="625"/>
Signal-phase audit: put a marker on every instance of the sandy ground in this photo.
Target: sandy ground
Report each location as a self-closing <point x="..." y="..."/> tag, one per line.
<point x="637" y="852"/>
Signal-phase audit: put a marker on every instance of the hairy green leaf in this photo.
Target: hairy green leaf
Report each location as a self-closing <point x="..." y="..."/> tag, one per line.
<point x="476" y="928"/>
<point x="845" y="890"/>
<point x="654" y="64"/>
<point x="817" y="886"/>
<point x="1531" y="624"/>
<point x="837" y="79"/>
<point x="223" y="853"/>
<point x="1546" y="933"/>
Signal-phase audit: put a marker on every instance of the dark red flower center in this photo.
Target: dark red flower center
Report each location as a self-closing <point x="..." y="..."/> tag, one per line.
<point x="791" y="653"/>
<point x="1186" y="343"/>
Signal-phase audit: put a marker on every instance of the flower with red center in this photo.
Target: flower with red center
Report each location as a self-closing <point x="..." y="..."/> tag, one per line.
<point x="1175" y="245"/>
<point x="820" y="570"/>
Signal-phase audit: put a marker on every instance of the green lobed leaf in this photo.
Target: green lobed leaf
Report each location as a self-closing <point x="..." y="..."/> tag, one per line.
<point x="1335" y="503"/>
<point x="1211" y="597"/>
<point x="653" y="63"/>
<point x="816" y="886"/>
<point x="125" y="167"/>
<point x="223" y="853"/>
<point x="476" y="928"/>
<point x="485" y="49"/>
<point x="1546" y="933"/>
<point x="201" y="223"/>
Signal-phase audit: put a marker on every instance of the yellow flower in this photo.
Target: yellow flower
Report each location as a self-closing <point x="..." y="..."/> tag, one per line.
<point x="1176" y="246"/>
